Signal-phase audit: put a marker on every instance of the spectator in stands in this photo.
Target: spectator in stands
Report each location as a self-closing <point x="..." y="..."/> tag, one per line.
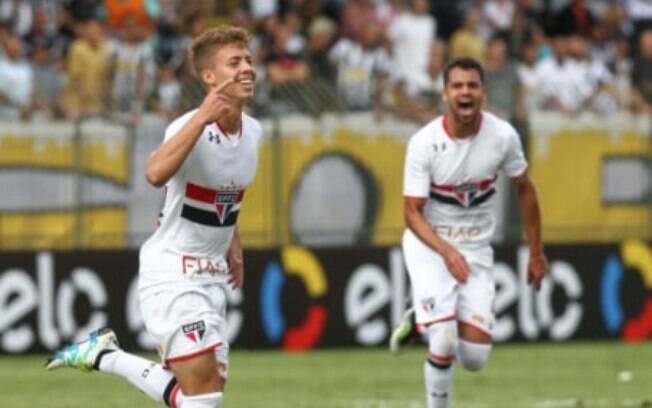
<point x="553" y="74"/>
<point x="602" y="44"/>
<point x="422" y="108"/>
<point x="355" y="17"/>
<point x="322" y="33"/>
<point x="48" y="78"/>
<point x="83" y="10"/>
<point x="133" y="70"/>
<point x="621" y="66"/>
<point x="18" y="14"/>
<point x="468" y="40"/>
<point x="411" y="36"/>
<point x="286" y="72"/>
<point x="264" y="39"/>
<point x="388" y="11"/>
<point x="261" y="9"/>
<point x="16" y="86"/>
<point x="502" y="85"/>
<point x="142" y="13"/>
<point x="361" y="67"/>
<point x="642" y="74"/>
<point x="437" y="62"/>
<point x="639" y="12"/>
<point x="41" y="31"/>
<point x="591" y="79"/>
<point x="292" y="23"/>
<point x="449" y="15"/>
<point x="527" y="78"/>
<point x="167" y="95"/>
<point x="525" y="27"/>
<point x="499" y="14"/>
<point x="88" y="73"/>
<point x="575" y="18"/>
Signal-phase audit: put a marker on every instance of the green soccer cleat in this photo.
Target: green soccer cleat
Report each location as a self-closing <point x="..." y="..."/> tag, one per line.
<point x="404" y="333"/>
<point x="84" y="355"/>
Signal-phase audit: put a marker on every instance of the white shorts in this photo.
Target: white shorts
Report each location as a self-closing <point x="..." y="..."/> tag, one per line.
<point x="187" y="321"/>
<point x="438" y="297"/>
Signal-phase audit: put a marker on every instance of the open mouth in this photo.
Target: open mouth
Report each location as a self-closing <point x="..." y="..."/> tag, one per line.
<point x="465" y="107"/>
<point x="465" y="104"/>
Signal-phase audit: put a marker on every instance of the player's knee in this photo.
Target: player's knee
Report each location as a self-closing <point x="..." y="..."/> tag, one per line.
<point x="441" y="342"/>
<point x="205" y="384"/>
<point x="210" y="400"/>
<point x="473" y="356"/>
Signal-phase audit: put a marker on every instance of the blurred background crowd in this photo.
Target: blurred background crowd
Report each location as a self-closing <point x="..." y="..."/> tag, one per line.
<point x="119" y="58"/>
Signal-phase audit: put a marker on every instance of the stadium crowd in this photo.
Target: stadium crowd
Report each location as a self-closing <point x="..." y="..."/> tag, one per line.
<point x="118" y="58"/>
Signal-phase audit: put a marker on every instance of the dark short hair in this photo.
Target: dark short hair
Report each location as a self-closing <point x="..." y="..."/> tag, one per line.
<point x="466" y="63"/>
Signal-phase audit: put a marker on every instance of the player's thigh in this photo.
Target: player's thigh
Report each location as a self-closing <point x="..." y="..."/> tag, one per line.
<point x="189" y="325"/>
<point x="434" y="290"/>
<point x="475" y="309"/>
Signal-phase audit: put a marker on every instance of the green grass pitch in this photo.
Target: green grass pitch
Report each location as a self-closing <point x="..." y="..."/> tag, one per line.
<point x="538" y="375"/>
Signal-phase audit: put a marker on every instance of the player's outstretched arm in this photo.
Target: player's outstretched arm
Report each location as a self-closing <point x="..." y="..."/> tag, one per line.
<point x="455" y="261"/>
<point x="531" y="214"/>
<point x="168" y="158"/>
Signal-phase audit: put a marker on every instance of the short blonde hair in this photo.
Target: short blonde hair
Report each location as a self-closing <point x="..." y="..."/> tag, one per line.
<point x="204" y="45"/>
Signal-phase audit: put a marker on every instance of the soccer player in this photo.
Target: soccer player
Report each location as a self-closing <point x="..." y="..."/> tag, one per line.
<point x="451" y="169"/>
<point x="206" y="161"/>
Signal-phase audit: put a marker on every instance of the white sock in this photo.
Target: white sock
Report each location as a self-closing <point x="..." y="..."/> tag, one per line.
<point x="439" y="383"/>
<point x="212" y="400"/>
<point x="148" y="376"/>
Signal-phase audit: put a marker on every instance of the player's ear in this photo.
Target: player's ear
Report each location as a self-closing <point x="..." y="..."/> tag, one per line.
<point x="207" y="77"/>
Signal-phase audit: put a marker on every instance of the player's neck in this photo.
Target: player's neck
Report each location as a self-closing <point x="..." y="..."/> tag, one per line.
<point x="231" y="123"/>
<point x="458" y="130"/>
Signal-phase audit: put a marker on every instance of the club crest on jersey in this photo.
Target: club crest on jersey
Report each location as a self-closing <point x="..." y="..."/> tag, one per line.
<point x="225" y="201"/>
<point x="194" y="331"/>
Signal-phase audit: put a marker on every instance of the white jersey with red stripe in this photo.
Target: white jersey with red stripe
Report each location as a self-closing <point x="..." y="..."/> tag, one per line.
<point x="201" y="207"/>
<point x="458" y="176"/>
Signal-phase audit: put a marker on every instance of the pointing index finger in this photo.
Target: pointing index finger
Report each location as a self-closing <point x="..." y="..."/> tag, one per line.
<point x="224" y="84"/>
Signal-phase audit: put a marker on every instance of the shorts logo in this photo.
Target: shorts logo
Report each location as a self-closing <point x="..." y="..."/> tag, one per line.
<point x="194" y="331"/>
<point x="428" y="304"/>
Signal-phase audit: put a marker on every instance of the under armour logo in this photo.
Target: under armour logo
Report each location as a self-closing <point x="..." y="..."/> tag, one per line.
<point x="212" y="137"/>
<point x="439" y="147"/>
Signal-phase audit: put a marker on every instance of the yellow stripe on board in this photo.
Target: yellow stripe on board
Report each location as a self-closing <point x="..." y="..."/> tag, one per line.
<point x="566" y="166"/>
<point x="98" y="228"/>
<point x="53" y="147"/>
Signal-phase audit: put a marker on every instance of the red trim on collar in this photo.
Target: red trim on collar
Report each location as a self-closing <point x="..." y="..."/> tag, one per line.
<point x="225" y="133"/>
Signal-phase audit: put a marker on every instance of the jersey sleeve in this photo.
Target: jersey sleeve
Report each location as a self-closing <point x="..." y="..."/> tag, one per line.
<point x="514" y="163"/>
<point x="172" y="129"/>
<point x="416" y="177"/>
